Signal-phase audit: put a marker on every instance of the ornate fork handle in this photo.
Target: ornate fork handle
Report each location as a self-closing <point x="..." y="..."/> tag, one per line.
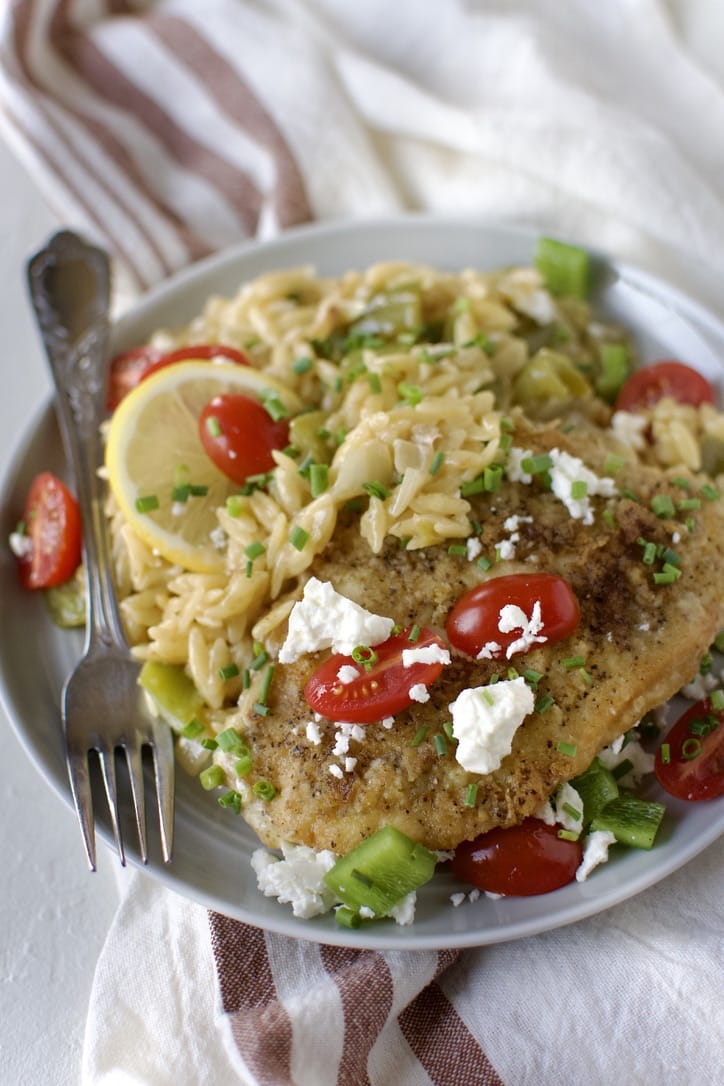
<point x="69" y="284"/>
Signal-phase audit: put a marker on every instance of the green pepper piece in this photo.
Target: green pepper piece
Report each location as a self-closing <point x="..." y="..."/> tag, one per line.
<point x="548" y="376"/>
<point x="173" y="691"/>
<point x="381" y="871"/>
<point x="565" y="268"/>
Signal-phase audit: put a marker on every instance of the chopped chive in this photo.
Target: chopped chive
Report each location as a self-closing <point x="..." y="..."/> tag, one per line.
<point x="181" y="493"/>
<point x="691" y="748"/>
<point x="318" y="479"/>
<point x="701" y="727"/>
<point x="264" y="790"/>
<point x="572" y="811"/>
<point x="376" y="490"/>
<point x="213" y="426"/>
<point x="483" y="563"/>
<point x="665" y="754"/>
<point x="488" y="697"/>
<point x="262" y="710"/>
<point x="579" y="490"/>
<point x="323" y="434"/>
<point x="649" y="555"/>
<point x="211" y="777"/>
<point x="532" y="677"/>
<point x="628" y="493"/>
<point x="363" y="654"/>
<point x="411" y="394"/>
<point x="419" y="736"/>
<point x="396" y="629"/>
<point x="242" y="765"/>
<point x="230" y="741"/>
<point x="266" y="684"/>
<point x="448" y="729"/>
<point x="568" y="835"/>
<point x="231" y="799"/>
<point x="717" y="700"/>
<point x="544" y="703"/>
<point x="682" y="482"/>
<point x="622" y="769"/>
<point x="302" y="365"/>
<point x="492" y="478"/>
<point x="458" y="549"/>
<point x="193" y="729"/>
<point x="198" y="490"/>
<point x="273" y="405"/>
<point x="608" y="519"/>
<point x="473" y="486"/>
<point x="719" y="641"/>
<point x="574" y="661"/>
<point x="440" y="744"/>
<point x="259" y="661"/>
<point x="709" y="492"/>
<point x="668" y="574"/>
<point x="373" y="380"/>
<point x="298" y="538"/>
<point x="209" y="744"/>
<point x="437" y="462"/>
<point x="146" y="503"/>
<point x="292" y="452"/>
<point x="671" y="557"/>
<point x="534" y="465"/>
<point x="414" y="633"/>
<point x="245" y="679"/>
<point x="254" y="550"/>
<point x="689" y="504"/>
<point x="229" y="671"/>
<point x="348" y="918"/>
<point x="471" y="795"/>
<point x="705" y="664"/>
<point x="662" y="506"/>
<point x="569" y="749"/>
<point x="340" y="435"/>
<point x="513" y="673"/>
<point x="613" y="464"/>
<point x="585" y="676"/>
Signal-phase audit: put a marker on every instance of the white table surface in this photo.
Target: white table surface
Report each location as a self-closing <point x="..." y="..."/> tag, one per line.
<point x="54" y="914"/>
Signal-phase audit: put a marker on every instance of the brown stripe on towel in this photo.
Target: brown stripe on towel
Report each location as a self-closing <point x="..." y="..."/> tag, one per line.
<point x="259" y="1024"/>
<point x="366" y="990"/>
<point x="440" y="1039"/>
<point x="233" y="95"/>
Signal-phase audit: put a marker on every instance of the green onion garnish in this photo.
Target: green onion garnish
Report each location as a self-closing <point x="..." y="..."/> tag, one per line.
<point x="568" y="835"/>
<point x="230" y="741"/>
<point x="318" y="479"/>
<point x="302" y="365"/>
<point x="440" y="744"/>
<point x="572" y="811"/>
<point x="273" y="405"/>
<point x="213" y="426"/>
<point x="709" y="492"/>
<point x="691" y="748"/>
<point x="181" y="493"/>
<point x="298" y="538"/>
<point x="414" y="633"/>
<point x="411" y="394"/>
<point x="579" y="489"/>
<point x="471" y="795"/>
<point x="376" y="490"/>
<point x="662" y="506"/>
<point x="574" y="661"/>
<point x="266" y="684"/>
<point x="261" y="710"/>
<point x="668" y="574"/>
<point x="543" y="704"/>
<point x="564" y="268"/>
<point x="373" y="380"/>
<point x="211" y="777"/>
<point x="622" y="769"/>
<point x="192" y="730"/>
<point x="717" y="700"/>
<point x="613" y="464"/>
<point x="363" y="654"/>
<point x="233" y="505"/>
<point x="419" y="737"/>
<point x="259" y="661"/>
<point x="242" y="765"/>
<point x="254" y="550"/>
<point x="569" y="749"/>
<point x="483" y="563"/>
<point x="146" y="503"/>
<point x="209" y="744"/>
<point x="230" y="671"/>
<point x="534" y="465"/>
<point x="231" y="799"/>
<point x="264" y="790"/>
<point x="437" y="462"/>
<point x="457" y="549"/>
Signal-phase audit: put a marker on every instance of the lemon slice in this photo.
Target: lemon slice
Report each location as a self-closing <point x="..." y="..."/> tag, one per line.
<point x="153" y="444"/>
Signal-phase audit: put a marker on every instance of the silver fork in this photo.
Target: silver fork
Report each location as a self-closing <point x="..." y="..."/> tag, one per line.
<point x="103" y="706"/>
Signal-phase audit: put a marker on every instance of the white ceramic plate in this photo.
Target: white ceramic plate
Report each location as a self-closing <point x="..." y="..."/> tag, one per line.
<point x="212" y="847"/>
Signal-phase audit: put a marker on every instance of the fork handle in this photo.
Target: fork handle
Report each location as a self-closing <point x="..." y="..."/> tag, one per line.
<point x="69" y="283"/>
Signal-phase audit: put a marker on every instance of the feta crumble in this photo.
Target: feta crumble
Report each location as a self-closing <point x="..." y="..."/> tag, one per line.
<point x="565" y="471"/>
<point x="426" y="654"/>
<point x="419" y="693"/>
<point x="485" y="719"/>
<point x="347" y="674"/>
<point x="313" y="733"/>
<point x="595" y="852"/>
<point x="20" y="544"/>
<point x="297" y="879"/>
<point x="325" y="619"/>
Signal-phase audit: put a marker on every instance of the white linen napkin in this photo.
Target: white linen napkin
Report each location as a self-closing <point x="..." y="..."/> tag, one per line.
<point x="166" y="130"/>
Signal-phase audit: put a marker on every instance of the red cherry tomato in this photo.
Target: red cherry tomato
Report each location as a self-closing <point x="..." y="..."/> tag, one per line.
<point x="645" y="387"/>
<point x="695" y="766"/>
<point x="126" y="371"/>
<point x="381" y="691"/>
<point x="238" y="434"/>
<point x="521" y="860"/>
<point x="473" y="621"/>
<point x="52" y="523"/>
<point x="131" y="367"/>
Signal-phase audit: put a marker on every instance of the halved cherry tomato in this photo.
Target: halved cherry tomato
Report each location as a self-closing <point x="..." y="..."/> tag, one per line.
<point x="381" y="691"/>
<point x="238" y="434"/>
<point x="473" y="621"/>
<point x="645" y="387"/>
<point x="695" y="766"/>
<point x="52" y="523"/>
<point x="132" y="367"/>
<point x="521" y="860"/>
<point x="126" y="371"/>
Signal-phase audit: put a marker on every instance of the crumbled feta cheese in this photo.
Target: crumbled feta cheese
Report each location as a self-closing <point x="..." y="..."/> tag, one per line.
<point x="699" y="687"/>
<point x="492" y="896"/>
<point x="473" y="548"/>
<point x="457" y="899"/>
<point x="474" y="894"/>
<point x="595" y="852"/>
<point x="513" y="523"/>
<point x="341" y="744"/>
<point x="505" y="550"/>
<point x="404" y="911"/>
<point x="219" y="538"/>
<point x="513" y="468"/>
<point x="366" y="913"/>
<point x="419" y="692"/>
<point x="313" y="733"/>
<point x="568" y="470"/>
<point x="387" y="722"/>
<point x="297" y="879"/>
<point x="426" y="654"/>
<point x="489" y="651"/>
<point x="324" y="619"/>
<point x="630" y="427"/>
<point x="544" y="811"/>
<point x="20" y="544"/>
<point x="349" y="764"/>
<point x="512" y="618"/>
<point x="641" y="761"/>
<point x="336" y="771"/>
<point x="485" y="719"/>
<point x="568" y="807"/>
<point x="347" y="674"/>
